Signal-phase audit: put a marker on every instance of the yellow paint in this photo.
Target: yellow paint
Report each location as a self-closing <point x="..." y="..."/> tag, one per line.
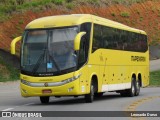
<point x="78" y="40"/>
<point x="13" y="44"/>
<point x="110" y="66"/>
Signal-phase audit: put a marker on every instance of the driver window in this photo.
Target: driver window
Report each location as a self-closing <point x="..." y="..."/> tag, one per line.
<point x="84" y="45"/>
<point x="82" y="51"/>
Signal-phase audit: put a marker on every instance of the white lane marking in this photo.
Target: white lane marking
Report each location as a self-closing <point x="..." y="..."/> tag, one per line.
<point x="8" y="109"/>
<point x="28" y="104"/>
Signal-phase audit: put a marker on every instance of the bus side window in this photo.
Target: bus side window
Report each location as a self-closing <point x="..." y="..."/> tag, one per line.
<point x="82" y="52"/>
<point x="129" y="41"/>
<point x="119" y="40"/>
<point x="124" y="40"/>
<point x="144" y="45"/>
<point x="106" y="34"/>
<point x="97" y="38"/>
<point x="110" y="32"/>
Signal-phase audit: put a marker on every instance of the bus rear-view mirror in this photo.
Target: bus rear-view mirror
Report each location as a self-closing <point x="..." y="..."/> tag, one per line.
<point x="13" y="44"/>
<point x="78" y="40"/>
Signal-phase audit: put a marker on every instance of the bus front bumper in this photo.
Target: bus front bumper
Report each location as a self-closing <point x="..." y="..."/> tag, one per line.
<point x="68" y="89"/>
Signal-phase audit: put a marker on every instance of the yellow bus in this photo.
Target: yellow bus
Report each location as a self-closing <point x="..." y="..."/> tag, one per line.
<point x="81" y="54"/>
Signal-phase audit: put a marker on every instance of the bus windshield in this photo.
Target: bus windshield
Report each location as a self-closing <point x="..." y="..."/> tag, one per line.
<point x="46" y="52"/>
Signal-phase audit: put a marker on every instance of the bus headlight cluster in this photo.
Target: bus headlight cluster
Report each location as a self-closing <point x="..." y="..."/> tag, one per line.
<point x="25" y="82"/>
<point x="71" y="79"/>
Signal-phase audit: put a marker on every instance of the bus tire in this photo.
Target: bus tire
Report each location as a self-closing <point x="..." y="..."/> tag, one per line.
<point x="137" y="90"/>
<point x="131" y="91"/>
<point x="89" y="97"/>
<point x="44" y="99"/>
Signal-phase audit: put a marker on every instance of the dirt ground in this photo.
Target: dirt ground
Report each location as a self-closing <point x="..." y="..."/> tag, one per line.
<point x="145" y="16"/>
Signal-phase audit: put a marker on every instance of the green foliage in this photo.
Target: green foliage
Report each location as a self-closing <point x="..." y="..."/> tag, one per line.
<point x="141" y="18"/>
<point x="92" y="1"/>
<point x="58" y="2"/>
<point x="155" y="78"/>
<point x="113" y="14"/>
<point x="68" y="1"/>
<point x="14" y="36"/>
<point x="118" y="1"/>
<point x="70" y="5"/>
<point x="21" y="22"/>
<point x="125" y="14"/>
<point x="127" y="2"/>
<point x="7" y="7"/>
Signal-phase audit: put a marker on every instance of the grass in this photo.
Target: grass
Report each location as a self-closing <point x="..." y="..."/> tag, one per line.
<point x="70" y="5"/>
<point x="125" y="14"/>
<point x="9" y="7"/>
<point x="155" y="78"/>
<point x="58" y="2"/>
<point x="7" y="72"/>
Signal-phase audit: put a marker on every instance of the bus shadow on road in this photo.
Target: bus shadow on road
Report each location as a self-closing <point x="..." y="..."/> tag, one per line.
<point x="80" y="99"/>
<point x="108" y="97"/>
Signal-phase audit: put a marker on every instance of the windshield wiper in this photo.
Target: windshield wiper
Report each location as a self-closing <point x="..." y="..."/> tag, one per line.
<point x="40" y="59"/>
<point x="53" y="60"/>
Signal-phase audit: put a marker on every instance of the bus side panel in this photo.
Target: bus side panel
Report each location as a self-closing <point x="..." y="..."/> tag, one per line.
<point x="96" y="67"/>
<point x="84" y="82"/>
<point x="117" y="68"/>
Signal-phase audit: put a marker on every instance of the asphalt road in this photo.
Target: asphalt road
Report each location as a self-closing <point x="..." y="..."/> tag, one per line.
<point x="148" y="100"/>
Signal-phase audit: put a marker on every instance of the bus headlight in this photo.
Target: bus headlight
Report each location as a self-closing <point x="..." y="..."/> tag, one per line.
<point x="71" y="79"/>
<point x="25" y="82"/>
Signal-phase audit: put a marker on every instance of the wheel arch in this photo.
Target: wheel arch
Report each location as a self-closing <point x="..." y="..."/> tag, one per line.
<point x="133" y="76"/>
<point x="139" y="79"/>
<point x="94" y="78"/>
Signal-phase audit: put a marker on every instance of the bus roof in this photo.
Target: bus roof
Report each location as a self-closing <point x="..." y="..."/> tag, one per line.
<point x="76" y="19"/>
<point x="59" y="21"/>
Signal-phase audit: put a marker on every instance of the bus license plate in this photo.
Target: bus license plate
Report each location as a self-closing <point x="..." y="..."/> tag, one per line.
<point x="46" y="91"/>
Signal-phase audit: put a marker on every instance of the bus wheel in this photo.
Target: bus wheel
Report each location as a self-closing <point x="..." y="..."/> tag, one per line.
<point x="131" y="91"/>
<point x="98" y="94"/>
<point x="44" y="99"/>
<point x="89" y="97"/>
<point x="137" y="90"/>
